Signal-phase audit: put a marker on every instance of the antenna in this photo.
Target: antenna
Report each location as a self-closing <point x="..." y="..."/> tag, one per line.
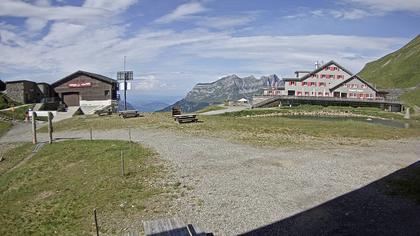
<point x="125" y="75"/>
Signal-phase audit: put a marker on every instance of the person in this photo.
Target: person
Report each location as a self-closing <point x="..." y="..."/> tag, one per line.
<point x="26" y="116"/>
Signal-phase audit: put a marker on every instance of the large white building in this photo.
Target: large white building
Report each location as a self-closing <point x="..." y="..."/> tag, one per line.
<point x="328" y="80"/>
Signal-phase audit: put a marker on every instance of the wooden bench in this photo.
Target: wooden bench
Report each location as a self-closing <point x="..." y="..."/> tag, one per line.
<point x="171" y="227"/>
<point x="186" y="118"/>
<point x="128" y="114"/>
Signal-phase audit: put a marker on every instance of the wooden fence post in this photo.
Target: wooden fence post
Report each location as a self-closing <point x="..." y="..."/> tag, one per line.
<point x="50" y="127"/>
<point x="129" y="134"/>
<point x="90" y="132"/>
<point x="34" y="140"/>
<point x="122" y="164"/>
<point x="96" y="222"/>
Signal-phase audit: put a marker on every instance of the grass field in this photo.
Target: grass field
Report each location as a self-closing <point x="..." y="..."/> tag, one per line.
<point x="4" y="127"/>
<point x="55" y="192"/>
<point x="211" y="108"/>
<point x="14" y="156"/>
<point x="261" y="131"/>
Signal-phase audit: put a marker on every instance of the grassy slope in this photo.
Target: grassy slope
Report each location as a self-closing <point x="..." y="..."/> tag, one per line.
<point x="19" y="113"/>
<point x="56" y="191"/>
<point x="412" y="98"/>
<point x="400" y="69"/>
<point x="4" y="127"/>
<point x="14" y="156"/>
<point x="261" y="131"/>
<point x="211" y="108"/>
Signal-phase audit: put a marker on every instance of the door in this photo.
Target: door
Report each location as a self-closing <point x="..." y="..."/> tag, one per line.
<point x="336" y="94"/>
<point x="71" y="99"/>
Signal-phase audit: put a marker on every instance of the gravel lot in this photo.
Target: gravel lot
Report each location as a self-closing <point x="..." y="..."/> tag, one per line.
<point x="234" y="188"/>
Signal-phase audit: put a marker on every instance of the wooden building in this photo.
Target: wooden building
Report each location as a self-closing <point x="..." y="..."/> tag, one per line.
<point x="86" y="89"/>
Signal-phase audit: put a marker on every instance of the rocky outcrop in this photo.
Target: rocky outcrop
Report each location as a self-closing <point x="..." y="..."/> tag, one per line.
<point x="227" y="88"/>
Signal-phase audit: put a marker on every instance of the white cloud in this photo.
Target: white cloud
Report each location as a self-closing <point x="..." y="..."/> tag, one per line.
<point x="182" y="12"/>
<point x="110" y="5"/>
<point x="351" y="14"/>
<point x="149" y="83"/>
<point x="224" y="22"/>
<point x="388" y="5"/>
<point x="35" y="24"/>
<point x="17" y="8"/>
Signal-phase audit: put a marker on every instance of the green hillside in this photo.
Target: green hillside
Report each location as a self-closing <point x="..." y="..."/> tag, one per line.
<point x="400" y="69"/>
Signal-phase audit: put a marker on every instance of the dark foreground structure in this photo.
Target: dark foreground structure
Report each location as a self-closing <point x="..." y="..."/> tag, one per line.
<point x="375" y="209"/>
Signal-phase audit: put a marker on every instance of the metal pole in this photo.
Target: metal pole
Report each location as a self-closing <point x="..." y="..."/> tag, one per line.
<point x="125" y="87"/>
<point x="90" y="132"/>
<point x="129" y="134"/>
<point x="96" y="222"/>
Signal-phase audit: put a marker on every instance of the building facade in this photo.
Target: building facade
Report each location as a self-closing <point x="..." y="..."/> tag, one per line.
<point x="24" y="91"/>
<point x="329" y="80"/>
<point x="86" y="89"/>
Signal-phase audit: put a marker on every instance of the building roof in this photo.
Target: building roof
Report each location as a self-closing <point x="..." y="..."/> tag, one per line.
<point x="80" y="72"/>
<point x="19" y="81"/>
<point x="318" y="70"/>
<point x="353" y="77"/>
<point x="243" y="100"/>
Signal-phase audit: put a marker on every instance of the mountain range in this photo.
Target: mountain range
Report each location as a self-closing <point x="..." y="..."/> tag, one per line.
<point x="230" y="87"/>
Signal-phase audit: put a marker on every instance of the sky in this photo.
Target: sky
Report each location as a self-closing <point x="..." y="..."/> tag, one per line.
<point x="173" y="44"/>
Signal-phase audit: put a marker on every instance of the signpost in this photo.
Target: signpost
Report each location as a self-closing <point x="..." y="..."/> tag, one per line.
<point x="125" y="75"/>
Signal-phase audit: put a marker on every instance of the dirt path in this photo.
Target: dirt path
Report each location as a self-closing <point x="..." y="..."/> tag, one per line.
<point x="234" y="188"/>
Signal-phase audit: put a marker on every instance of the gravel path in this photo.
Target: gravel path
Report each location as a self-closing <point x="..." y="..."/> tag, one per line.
<point x="226" y="110"/>
<point x="236" y="188"/>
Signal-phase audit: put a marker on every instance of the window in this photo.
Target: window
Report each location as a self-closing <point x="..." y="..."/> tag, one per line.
<point x="327" y="94"/>
<point x="106" y="93"/>
<point x="321" y="84"/>
<point x="299" y="93"/>
<point x="292" y="83"/>
<point x="304" y="83"/>
<point x="331" y="76"/>
<point x="323" y="76"/>
<point x="320" y="94"/>
<point x="312" y="84"/>
<point x="306" y="93"/>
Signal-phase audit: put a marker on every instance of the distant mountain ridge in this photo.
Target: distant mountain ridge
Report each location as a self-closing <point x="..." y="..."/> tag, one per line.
<point x="230" y="87"/>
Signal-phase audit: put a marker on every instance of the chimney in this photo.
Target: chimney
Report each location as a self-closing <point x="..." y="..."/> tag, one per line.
<point x="316" y="65"/>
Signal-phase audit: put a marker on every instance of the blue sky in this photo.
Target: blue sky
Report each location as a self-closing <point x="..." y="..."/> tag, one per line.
<point x="173" y="44"/>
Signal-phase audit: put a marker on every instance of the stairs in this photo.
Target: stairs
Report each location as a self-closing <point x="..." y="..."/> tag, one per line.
<point x="67" y="114"/>
<point x="38" y="106"/>
<point x="90" y="110"/>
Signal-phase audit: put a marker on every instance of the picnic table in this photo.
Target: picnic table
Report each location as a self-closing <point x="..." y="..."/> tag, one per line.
<point x="128" y="114"/>
<point x="186" y="118"/>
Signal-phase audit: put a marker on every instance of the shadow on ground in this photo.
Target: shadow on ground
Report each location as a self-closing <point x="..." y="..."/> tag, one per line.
<point x="375" y="209"/>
